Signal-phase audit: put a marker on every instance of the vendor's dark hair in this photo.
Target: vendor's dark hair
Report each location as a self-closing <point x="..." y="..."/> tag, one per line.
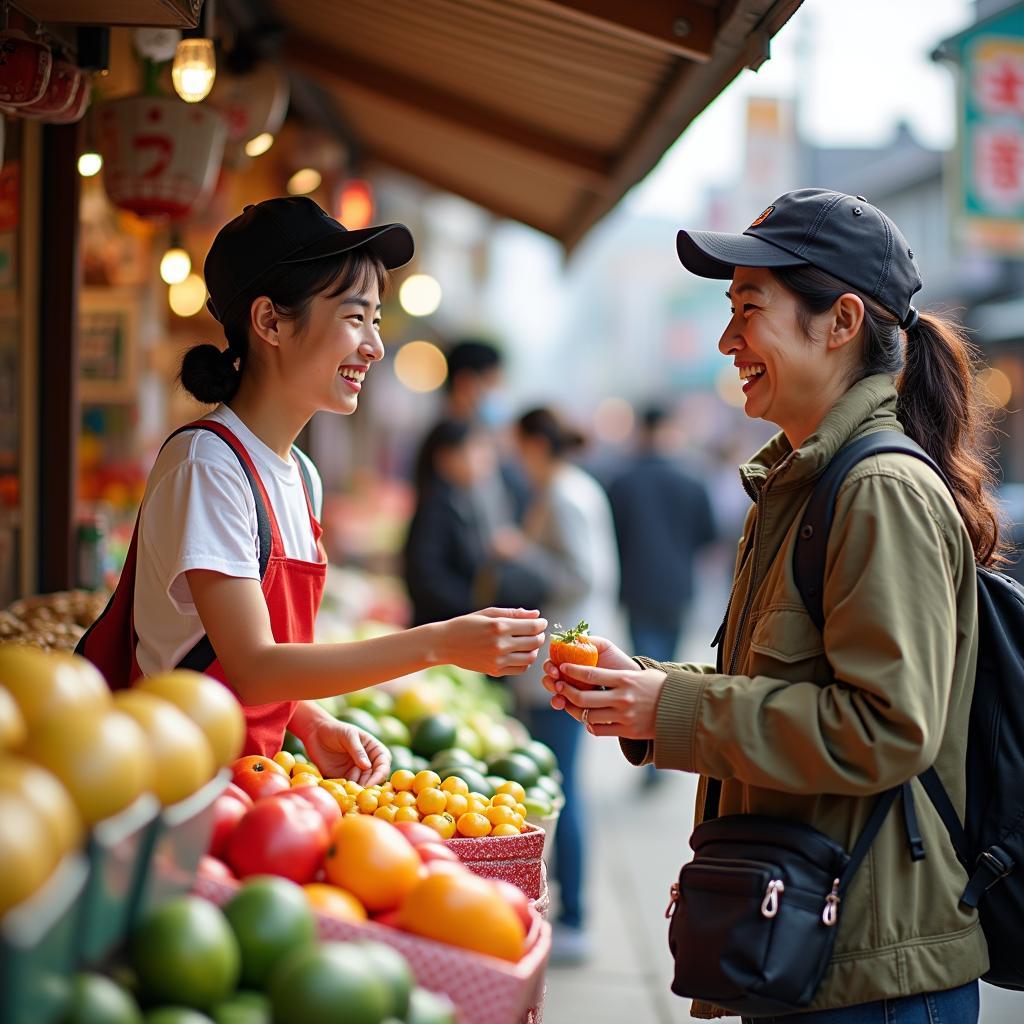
<point x="939" y="403"/>
<point x="443" y="436"/>
<point x="211" y="374"/>
<point x="473" y="356"/>
<point x="543" y="423"/>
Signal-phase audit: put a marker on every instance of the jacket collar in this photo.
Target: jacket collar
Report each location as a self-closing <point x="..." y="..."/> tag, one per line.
<point x="868" y="406"/>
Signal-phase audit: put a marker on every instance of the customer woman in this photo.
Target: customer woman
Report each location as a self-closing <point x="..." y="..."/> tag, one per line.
<point x="812" y="726"/>
<point x="227" y="569"/>
<point x="570" y="542"/>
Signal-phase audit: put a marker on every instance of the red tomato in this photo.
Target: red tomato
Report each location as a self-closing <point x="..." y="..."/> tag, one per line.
<point x="211" y="867"/>
<point x="517" y="899"/>
<point x="259" y="776"/>
<point x="318" y="798"/>
<point x="279" y="837"/>
<point x="435" y="851"/>
<point x="442" y="867"/>
<point x="239" y="794"/>
<point x="228" y="811"/>
<point x="416" y="833"/>
<point x="389" y="918"/>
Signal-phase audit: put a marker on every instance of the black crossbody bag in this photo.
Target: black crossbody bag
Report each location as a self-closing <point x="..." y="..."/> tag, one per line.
<point x="754" y="915"/>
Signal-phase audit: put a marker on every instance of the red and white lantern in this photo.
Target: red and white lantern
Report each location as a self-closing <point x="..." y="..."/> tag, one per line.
<point x="252" y="103"/>
<point x="161" y="156"/>
<point x="79" y="105"/>
<point x="25" y="67"/>
<point x="60" y="95"/>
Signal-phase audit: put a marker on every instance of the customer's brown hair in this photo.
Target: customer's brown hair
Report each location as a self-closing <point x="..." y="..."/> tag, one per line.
<point x="939" y="402"/>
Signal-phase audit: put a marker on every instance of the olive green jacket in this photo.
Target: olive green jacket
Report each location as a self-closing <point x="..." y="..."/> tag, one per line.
<point x="901" y="638"/>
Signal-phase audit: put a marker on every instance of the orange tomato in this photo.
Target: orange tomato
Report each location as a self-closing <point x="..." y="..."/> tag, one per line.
<point x="507" y="829"/>
<point x="407" y="813"/>
<point x="405" y="799"/>
<point x="473" y="825"/>
<point x="431" y="801"/>
<point x="329" y="899"/>
<point x="425" y="780"/>
<point x="453" y="784"/>
<point x="503" y="800"/>
<point x="367" y="802"/>
<point x="402" y="779"/>
<point x="456" y="804"/>
<point x="499" y="815"/>
<point x="442" y="824"/>
<point x="464" y="910"/>
<point x="514" y="788"/>
<point x="372" y="860"/>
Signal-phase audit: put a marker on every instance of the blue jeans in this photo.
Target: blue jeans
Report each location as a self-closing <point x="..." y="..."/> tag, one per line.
<point x="562" y="734"/>
<point x="659" y="643"/>
<point x="953" y="1006"/>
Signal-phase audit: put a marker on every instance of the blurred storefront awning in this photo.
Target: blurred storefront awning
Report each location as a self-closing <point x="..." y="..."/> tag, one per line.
<point x="545" y="111"/>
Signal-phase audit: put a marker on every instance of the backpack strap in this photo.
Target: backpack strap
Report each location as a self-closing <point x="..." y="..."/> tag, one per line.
<point x="202" y="655"/>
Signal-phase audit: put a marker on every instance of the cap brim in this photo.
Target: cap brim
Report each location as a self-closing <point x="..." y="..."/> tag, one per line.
<point x="392" y="243"/>
<point x="716" y="254"/>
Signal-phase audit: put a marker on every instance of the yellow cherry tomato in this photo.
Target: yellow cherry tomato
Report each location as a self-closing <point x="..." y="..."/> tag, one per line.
<point x="453" y="784"/>
<point x="286" y="759"/>
<point x="505" y="830"/>
<point x="386" y="798"/>
<point x="425" y="780"/>
<point x="402" y="779"/>
<point x="367" y="802"/>
<point x="407" y="813"/>
<point x="503" y="800"/>
<point x="474" y="826"/>
<point x="500" y="815"/>
<point x="431" y="801"/>
<point x="513" y="788"/>
<point x="405" y="798"/>
<point x="304" y="779"/>
<point x="456" y="804"/>
<point x="477" y="804"/>
<point x="442" y="824"/>
<point x="387" y="813"/>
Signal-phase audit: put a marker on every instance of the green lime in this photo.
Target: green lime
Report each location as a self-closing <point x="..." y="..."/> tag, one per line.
<point x="517" y="767"/>
<point x="269" y="917"/>
<point x="393" y="969"/>
<point x="185" y="951"/>
<point x="494" y="781"/>
<point x="360" y="719"/>
<point x="433" y="734"/>
<point x="292" y="744"/>
<point x="548" y="785"/>
<point x="176" y="1015"/>
<point x="419" y="764"/>
<point x="375" y="701"/>
<point x="401" y="757"/>
<point x="96" y="999"/>
<point x="469" y="740"/>
<point x="392" y="731"/>
<point x="244" y="1008"/>
<point x="538" y="808"/>
<point x="452" y="756"/>
<point x="476" y="782"/>
<point x="328" y="983"/>
<point x="541" y="755"/>
<point x="427" y="1007"/>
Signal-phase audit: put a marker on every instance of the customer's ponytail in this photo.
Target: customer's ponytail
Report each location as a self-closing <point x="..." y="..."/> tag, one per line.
<point x="940" y="408"/>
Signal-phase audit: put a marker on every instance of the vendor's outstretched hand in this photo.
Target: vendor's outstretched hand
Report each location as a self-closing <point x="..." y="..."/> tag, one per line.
<point x="495" y="641"/>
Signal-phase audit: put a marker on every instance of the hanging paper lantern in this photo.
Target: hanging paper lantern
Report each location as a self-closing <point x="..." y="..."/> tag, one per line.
<point x="60" y="95"/>
<point x="252" y="103"/>
<point x="25" y="66"/>
<point x="79" y="105"/>
<point x="161" y="156"/>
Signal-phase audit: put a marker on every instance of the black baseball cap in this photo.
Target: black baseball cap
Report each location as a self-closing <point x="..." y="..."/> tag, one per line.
<point x="286" y="230"/>
<point x="845" y="236"/>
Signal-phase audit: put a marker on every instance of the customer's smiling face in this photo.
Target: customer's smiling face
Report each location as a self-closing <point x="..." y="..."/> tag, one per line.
<point x="789" y="378"/>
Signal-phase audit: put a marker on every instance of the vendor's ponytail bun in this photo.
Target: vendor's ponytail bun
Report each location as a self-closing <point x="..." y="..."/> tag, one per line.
<point x="209" y="374"/>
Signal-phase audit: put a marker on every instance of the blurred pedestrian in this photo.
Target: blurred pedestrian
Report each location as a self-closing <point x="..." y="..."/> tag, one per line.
<point x="569" y="538"/>
<point x="449" y="559"/>
<point x="810" y="726"/>
<point x="663" y="520"/>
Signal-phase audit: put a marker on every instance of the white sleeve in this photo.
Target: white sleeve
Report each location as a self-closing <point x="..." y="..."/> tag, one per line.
<point x="200" y="516"/>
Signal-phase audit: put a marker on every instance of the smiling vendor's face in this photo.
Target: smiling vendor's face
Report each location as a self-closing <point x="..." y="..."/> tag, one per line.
<point x="337" y="348"/>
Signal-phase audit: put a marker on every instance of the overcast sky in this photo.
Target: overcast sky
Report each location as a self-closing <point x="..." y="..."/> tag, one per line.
<point x="856" y="68"/>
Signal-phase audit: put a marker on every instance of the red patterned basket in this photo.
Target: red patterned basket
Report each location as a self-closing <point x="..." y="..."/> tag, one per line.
<point x="515" y="859"/>
<point x="484" y="989"/>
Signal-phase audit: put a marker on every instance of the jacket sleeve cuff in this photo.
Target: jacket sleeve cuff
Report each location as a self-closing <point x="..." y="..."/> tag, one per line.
<point x="676" y="728"/>
<point x="637" y="752"/>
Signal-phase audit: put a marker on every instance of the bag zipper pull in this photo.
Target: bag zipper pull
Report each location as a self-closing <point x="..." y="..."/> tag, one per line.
<point x="673" y="894"/>
<point x="770" y="903"/>
<point x="831" y="911"/>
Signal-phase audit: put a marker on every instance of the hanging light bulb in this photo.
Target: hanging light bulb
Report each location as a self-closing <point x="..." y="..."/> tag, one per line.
<point x="195" y="64"/>
<point x="89" y="164"/>
<point x="194" y="69"/>
<point x="175" y="265"/>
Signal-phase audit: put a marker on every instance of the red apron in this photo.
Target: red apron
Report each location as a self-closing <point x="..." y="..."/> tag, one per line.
<point x="292" y="589"/>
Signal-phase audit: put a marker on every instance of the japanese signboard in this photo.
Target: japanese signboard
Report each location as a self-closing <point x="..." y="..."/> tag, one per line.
<point x="990" y="192"/>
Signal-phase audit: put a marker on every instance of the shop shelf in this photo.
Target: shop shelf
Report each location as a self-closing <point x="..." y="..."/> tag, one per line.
<point x="117" y="854"/>
<point x="38" y="951"/>
<point x="173" y="844"/>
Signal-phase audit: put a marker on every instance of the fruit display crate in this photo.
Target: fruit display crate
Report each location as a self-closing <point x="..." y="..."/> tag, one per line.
<point x="484" y="989"/>
<point x="174" y="843"/>
<point x="516" y="859"/>
<point x="38" y="947"/>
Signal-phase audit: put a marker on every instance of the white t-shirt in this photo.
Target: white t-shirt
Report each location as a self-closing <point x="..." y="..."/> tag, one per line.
<point x="198" y="513"/>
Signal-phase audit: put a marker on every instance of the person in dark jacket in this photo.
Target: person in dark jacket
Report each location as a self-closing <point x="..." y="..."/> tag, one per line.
<point x="448" y="552"/>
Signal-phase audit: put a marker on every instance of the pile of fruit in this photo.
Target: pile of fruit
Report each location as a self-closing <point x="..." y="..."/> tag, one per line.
<point x="257" y="960"/>
<point x="72" y="754"/>
<point x="357" y="863"/>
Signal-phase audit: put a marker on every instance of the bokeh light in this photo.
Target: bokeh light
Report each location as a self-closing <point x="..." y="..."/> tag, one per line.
<point x="421" y="366"/>
<point x="187" y="297"/>
<point x="90" y="164"/>
<point x="355" y="207"/>
<point x="175" y="265"/>
<point x="730" y="387"/>
<point x="304" y="181"/>
<point x="996" y="387"/>
<point x="420" y="295"/>
<point x="259" y="144"/>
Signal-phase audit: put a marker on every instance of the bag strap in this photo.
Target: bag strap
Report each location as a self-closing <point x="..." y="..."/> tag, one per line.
<point x="202" y="655"/>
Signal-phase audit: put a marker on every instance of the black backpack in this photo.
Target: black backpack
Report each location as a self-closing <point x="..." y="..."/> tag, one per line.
<point x="990" y="842"/>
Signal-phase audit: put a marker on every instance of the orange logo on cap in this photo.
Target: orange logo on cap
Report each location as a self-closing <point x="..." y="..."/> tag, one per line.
<point x="764" y="216"/>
